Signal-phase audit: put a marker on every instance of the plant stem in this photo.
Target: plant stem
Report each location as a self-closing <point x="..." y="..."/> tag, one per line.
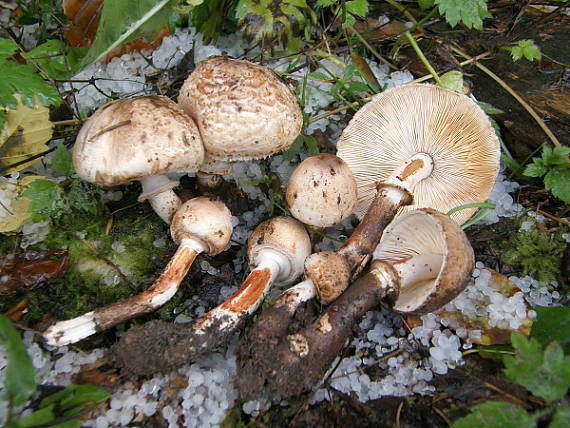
<point x="516" y="96"/>
<point x="422" y="58"/>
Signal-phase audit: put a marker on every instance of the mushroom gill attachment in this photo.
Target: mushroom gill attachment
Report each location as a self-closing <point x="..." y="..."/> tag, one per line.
<point x="141" y="139"/>
<point x="243" y="110"/>
<point x="321" y="192"/>
<point x="276" y="251"/>
<point x="433" y="266"/>
<point x="448" y="127"/>
<point x="200" y="225"/>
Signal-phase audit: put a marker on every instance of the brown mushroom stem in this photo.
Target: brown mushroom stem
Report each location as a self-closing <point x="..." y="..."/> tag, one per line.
<point x="157" y="189"/>
<point x="73" y="330"/>
<point x="271" y="362"/>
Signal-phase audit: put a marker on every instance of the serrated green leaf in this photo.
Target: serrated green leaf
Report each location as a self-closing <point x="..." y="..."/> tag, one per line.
<point x="80" y="197"/>
<point x="470" y="12"/>
<point x="61" y="161"/>
<point x="357" y="7"/>
<point x="558" y="182"/>
<point x="561" y="418"/>
<point x="535" y="169"/>
<point x="526" y="49"/>
<point x="552" y="323"/>
<point x="496" y="414"/>
<point x="426" y="4"/>
<point x="46" y="200"/>
<point x="124" y="21"/>
<point x="50" y="58"/>
<point x="544" y="373"/>
<point x="19" y="382"/>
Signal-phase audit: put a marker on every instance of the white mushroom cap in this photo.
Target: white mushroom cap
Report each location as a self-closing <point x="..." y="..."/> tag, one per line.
<point x="321" y="191"/>
<point x="205" y="220"/>
<point x="447" y="126"/>
<point x="244" y="111"/>
<point x="129" y="139"/>
<point x="284" y="236"/>
<point x="427" y="232"/>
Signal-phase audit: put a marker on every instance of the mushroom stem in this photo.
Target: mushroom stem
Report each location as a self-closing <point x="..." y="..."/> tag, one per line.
<point x="163" y="200"/>
<point x="289" y="365"/>
<point x="76" y="329"/>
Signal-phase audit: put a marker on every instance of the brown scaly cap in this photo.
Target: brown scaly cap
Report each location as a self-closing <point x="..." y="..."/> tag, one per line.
<point x="285" y="236"/>
<point x="137" y="137"/>
<point x="448" y="126"/>
<point x="321" y="191"/>
<point x="428" y="231"/>
<point x="244" y="111"/>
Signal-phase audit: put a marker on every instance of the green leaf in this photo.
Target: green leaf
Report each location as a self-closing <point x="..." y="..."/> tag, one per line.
<point x="49" y="57"/>
<point x="124" y="21"/>
<point x="312" y="145"/>
<point x="489" y="108"/>
<point x="536" y="169"/>
<point x="496" y="414"/>
<point x="561" y="418"/>
<point x="426" y="4"/>
<point x="551" y="324"/>
<point x="39" y="417"/>
<point x="81" y="196"/>
<point x="357" y="7"/>
<point x="558" y="182"/>
<point x="470" y="12"/>
<point x="452" y="80"/>
<point x="293" y="149"/>
<point x="544" y="373"/>
<point x="7" y="48"/>
<point x="61" y="161"/>
<point x="19" y="382"/>
<point x="555" y="157"/>
<point x="326" y="3"/>
<point x="46" y="199"/>
<point x="525" y="49"/>
<point x="75" y="398"/>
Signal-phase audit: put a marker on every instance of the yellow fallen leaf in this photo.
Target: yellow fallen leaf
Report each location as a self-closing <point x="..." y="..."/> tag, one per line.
<point x="12" y="217"/>
<point x="25" y="133"/>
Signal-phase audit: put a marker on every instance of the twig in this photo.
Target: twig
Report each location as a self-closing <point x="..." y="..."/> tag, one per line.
<point x="404" y="11"/>
<point x="516" y="96"/>
<point x="399" y="413"/>
<point x="442" y="416"/>
<point x="552" y="217"/>
<point x="422" y="57"/>
<point x="372" y="50"/>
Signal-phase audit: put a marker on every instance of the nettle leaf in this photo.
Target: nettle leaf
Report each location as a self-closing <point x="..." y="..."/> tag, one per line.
<point x="470" y="12"/>
<point x="525" y="49"/>
<point x="124" y="21"/>
<point x="19" y="382"/>
<point x="557" y="181"/>
<point x="46" y="200"/>
<point x="544" y="373"/>
<point x="496" y="414"/>
<point x="552" y="323"/>
<point x="50" y="57"/>
<point x="61" y="161"/>
<point x="536" y="169"/>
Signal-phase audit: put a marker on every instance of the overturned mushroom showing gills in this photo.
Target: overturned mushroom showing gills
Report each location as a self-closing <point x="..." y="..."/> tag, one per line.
<point x="424" y="260"/>
<point x="411" y="147"/>
<point x="139" y="139"/>
<point x="276" y="250"/>
<point x="199" y="225"/>
<point x="243" y="110"/>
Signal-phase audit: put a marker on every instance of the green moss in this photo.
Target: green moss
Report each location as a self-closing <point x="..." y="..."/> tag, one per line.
<point x="537" y="252"/>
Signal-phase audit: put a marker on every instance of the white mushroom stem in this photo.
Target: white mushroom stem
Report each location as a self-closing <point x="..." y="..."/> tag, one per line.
<point x="227" y="316"/>
<point x="158" y="190"/>
<point x="76" y="329"/>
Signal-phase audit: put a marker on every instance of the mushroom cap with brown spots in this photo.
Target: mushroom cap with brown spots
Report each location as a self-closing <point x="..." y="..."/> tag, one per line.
<point x="129" y="139"/>
<point x="244" y="111"/>
<point x="206" y="220"/>
<point x="447" y="126"/>
<point x="321" y="191"/>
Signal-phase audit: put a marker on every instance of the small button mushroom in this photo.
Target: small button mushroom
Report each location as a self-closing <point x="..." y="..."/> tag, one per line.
<point x="410" y="147"/>
<point x="199" y="225"/>
<point x="321" y="192"/>
<point x="140" y="139"/>
<point x="424" y="260"/>
<point x="243" y="110"/>
<point x="276" y="251"/>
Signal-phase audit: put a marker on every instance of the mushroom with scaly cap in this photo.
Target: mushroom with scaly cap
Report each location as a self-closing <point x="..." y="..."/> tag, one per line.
<point x="140" y="139"/>
<point x="199" y="225"/>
